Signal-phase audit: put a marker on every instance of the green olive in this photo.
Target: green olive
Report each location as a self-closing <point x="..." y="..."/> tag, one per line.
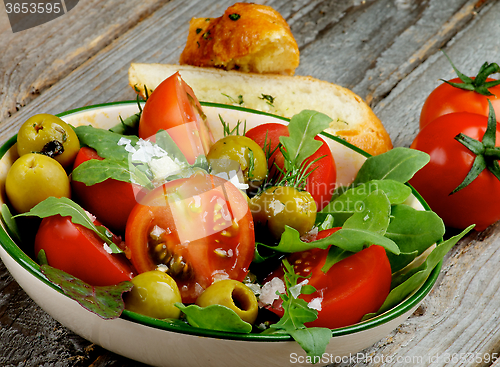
<point x="33" y="178"/>
<point x="234" y="295"/>
<point x="49" y="135"/>
<point x="245" y="152"/>
<point x="278" y="206"/>
<point x="154" y="294"/>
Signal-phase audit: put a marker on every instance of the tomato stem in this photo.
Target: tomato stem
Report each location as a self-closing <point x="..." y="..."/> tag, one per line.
<point x="487" y="154"/>
<point x="479" y="83"/>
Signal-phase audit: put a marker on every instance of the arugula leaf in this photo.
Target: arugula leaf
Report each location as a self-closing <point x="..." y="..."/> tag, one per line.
<point x="105" y="142"/>
<point x="374" y="215"/>
<point x="94" y="171"/>
<point x="214" y="317"/>
<point x="128" y="126"/>
<point x="165" y="141"/>
<point x="398" y="164"/>
<point x="313" y="340"/>
<point x="327" y="223"/>
<point x="344" y="205"/>
<point x="414" y="231"/>
<point x="10" y="224"/>
<point x="405" y="284"/>
<point x="303" y="127"/>
<point x="297" y="313"/>
<point x="349" y="239"/>
<point x="105" y="301"/>
<point x="66" y="207"/>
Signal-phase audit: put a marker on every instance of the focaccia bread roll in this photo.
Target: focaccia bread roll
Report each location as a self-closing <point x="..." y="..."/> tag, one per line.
<point x="248" y="37"/>
<point x="353" y="119"/>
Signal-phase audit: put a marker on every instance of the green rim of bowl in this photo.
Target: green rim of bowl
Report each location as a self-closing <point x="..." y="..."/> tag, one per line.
<point x="175" y="326"/>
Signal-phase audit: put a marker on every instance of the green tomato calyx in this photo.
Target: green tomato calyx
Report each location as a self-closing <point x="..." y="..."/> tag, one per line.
<point x="479" y="83"/>
<point x="487" y="154"/>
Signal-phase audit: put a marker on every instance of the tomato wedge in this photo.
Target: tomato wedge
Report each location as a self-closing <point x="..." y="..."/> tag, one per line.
<point x="111" y="201"/>
<point x="198" y="230"/>
<point x="80" y="252"/>
<point x="350" y="289"/>
<point x="174" y="107"/>
<point x="321" y="182"/>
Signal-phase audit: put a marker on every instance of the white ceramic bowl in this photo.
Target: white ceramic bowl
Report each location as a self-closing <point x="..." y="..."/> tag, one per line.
<point x="160" y="343"/>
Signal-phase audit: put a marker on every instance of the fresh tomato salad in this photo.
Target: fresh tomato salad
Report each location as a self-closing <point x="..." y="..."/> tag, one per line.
<point x="246" y="234"/>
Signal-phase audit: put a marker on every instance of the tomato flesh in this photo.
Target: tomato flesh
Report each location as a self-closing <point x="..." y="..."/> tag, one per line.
<point x="111" y="201"/>
<point x="173" y="107"/>
<point x="321" y="182"/>
<point x="80" y="252"/>
<point x="350" y="289"/>
<point x="450" y="161"/>
<point x="198" y="230"/>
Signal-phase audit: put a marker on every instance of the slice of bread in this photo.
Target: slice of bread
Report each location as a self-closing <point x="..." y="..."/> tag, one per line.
<point x="353" y="119"/>
<point x="248" y="37"/>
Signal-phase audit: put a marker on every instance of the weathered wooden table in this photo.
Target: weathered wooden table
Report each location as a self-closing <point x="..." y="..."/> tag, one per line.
<point x="387" y="51"/>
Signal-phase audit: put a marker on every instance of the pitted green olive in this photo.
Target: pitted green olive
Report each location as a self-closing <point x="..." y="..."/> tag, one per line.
<point x="278" y="206"/>
<point x="154" y="294"/>
<point x="49" y="135"/>
<point x="242" y="150"/>
<point x="33" y="178"/>
<point x="232" y="294"/>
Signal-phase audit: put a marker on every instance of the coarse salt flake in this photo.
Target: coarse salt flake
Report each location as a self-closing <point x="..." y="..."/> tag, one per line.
<point x="315" y="304"/>
<point x="268" y="291"/>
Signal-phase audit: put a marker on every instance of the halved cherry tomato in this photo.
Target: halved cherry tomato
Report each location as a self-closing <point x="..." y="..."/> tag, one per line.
<point x="350" y="289"/>
<point x="111" y="201"/>
<point x="80" y="252"/>
<point x="321" y="182"/>
<point x="173" y="107"/>
<point x="198" y="230"/>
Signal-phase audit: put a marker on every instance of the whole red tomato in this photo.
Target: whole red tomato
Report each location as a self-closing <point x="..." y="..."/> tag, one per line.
<point x="321" y="182"/>
<point x="80" y="252"/>
<point x="198" y="230"/>
<point x="450" y="162"/>
<point x="463" y="94"/>
<point x="350" y="289"/>
<point x="174" y="107"/>
<point x="111" y="201"/>
<point x="449" y="99"/>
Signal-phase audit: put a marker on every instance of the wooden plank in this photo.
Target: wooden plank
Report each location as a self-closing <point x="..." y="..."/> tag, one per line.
<point x="23" y="323"/>
<point x="477" y="43"/>
<point x="374" y="46"/>
<point x="34" y="59"/>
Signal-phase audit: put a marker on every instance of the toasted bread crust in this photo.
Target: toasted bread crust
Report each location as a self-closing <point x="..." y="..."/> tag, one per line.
<point x="353" y="119"/>
<point x="248" y="37"/>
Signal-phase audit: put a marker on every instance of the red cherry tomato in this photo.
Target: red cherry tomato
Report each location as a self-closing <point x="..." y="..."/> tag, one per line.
<point x="80" y="252"/>
<point x="321" y="182"/>
<point x="350" y="289"/>
<point x="173" y="107"/>
<point x="448" y="99"/>
<point x="198" y="230"/>
<point x="111" y="201"/>
<point x="450" y="161"/>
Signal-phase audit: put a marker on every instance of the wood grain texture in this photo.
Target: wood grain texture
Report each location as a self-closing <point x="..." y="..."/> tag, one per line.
<point x="33" y="60"/>
<point x="471" y="47"/>
<point x="386" y="51"/>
